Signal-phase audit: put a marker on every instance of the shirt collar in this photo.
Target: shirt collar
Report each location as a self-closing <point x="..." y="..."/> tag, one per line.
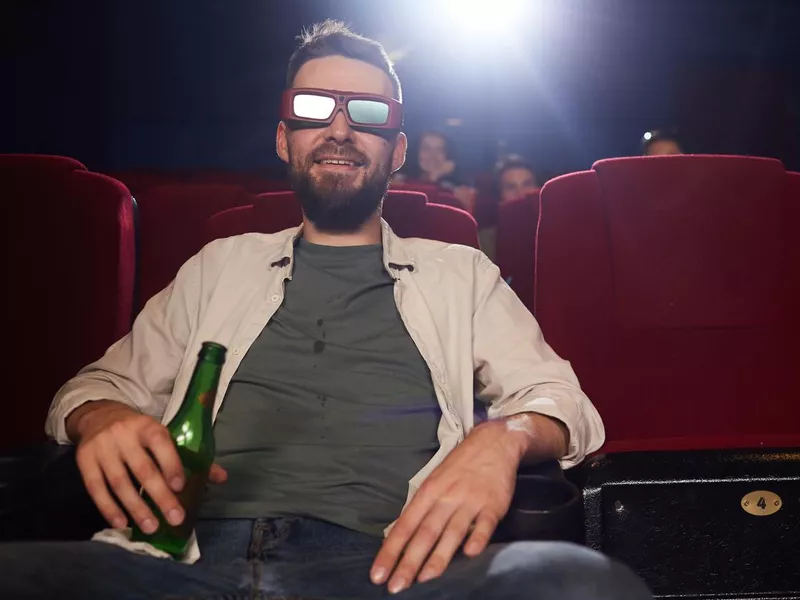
<point x="395" y="257"/>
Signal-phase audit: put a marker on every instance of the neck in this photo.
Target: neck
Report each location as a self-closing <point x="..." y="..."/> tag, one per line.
<point x="369" y="233"/>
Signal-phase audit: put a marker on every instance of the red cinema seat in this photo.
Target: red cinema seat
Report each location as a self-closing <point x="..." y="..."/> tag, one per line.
<point x="172" y="221"/>
<point x="516" y="244"/>
<point x="451" y="225"/>
<point x="404" y="211"/>
<point x="663" y="281"/>
<point x="70" y="266"/>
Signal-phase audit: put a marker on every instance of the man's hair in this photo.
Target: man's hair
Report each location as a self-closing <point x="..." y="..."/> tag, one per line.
<point x="513" y="161"/>
<point x="655" y="135"/>
<point x="335" y="38"/>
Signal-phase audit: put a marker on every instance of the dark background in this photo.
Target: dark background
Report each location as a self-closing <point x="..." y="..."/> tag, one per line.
<point x="195" y="83"/>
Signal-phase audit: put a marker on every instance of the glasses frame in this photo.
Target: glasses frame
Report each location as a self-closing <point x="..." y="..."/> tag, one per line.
<point x="394" y="120"/>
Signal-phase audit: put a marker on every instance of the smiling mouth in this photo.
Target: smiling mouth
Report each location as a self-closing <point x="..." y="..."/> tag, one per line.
<point x="338" y="162"/>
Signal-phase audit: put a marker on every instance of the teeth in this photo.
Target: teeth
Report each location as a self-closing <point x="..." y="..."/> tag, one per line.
<point x="338" y="162"/>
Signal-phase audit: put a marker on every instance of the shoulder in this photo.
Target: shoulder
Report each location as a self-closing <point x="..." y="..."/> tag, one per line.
<point x="446" y="259"/>
<point x="251" y="245"/>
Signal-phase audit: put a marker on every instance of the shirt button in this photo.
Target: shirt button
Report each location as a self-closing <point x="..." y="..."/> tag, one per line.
<point x="276" y="298"/>
<point x="236" y="352"/>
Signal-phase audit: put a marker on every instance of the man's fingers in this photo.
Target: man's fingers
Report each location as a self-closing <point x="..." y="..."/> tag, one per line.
<point x="148" y="475"/>
<point x="423" y="541"/>
<point x="95" y="484"/>
<point x="119" y="481"/>
<point x="217" y="474"/>
<point x="404" y="528"/>
<point x="482" y="534"/>
<point x="451" y="539"/>
<point x="156" y="438"/>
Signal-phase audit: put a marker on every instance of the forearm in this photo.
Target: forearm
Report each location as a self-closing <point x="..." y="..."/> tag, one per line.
<point x="533" y="437"/>
<point x="81" y="418"/>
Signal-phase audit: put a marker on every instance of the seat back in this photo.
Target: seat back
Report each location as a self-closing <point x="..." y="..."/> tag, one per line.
<point x="516" y="244"/>
<point x="663" y="280"/>
<point x="38" y="163"/>
<point x="172" y="222"/>
<point x="451" y="225"/>
<point x="406" y="212"/>
<point x="70" y="257"/>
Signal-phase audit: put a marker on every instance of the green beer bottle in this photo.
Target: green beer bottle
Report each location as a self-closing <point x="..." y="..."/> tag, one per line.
<point x="191" y="429"/>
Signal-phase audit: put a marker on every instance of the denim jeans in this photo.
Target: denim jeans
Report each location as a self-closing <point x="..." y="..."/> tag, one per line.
<point x="302" y="559"/>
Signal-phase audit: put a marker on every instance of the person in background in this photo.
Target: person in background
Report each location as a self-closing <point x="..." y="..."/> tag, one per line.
<point x="660" y="143"/>
<point x="435" y="164"/>
<point x="515" y="179"/>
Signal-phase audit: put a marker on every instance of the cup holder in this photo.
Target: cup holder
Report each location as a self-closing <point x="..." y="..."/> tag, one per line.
<point x="543" y="508"/>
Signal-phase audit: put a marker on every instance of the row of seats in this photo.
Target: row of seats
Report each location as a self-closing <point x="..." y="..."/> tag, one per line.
<point x="255" y="182"/>
<point x="78" y="244"/>
<point x="671" y="283"/>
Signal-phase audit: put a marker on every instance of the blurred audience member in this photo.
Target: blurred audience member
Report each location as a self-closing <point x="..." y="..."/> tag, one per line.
<point x="435" y="163"/>
<point x="658" y="143"/>
<point x="515" y="179"/>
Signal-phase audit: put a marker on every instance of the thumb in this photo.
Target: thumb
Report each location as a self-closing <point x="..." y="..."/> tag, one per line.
<point x="217" y="474"/>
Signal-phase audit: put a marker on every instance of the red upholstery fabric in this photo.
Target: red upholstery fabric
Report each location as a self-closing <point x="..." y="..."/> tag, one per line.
<point x="70" y="267"/>
<point x="516" y="245"/>
<point x="137" y="181"/>
<point x="172" y="221"/>
<point x="42" y="163"/>
<point x="663" y="280"/>
<point x="435" y="193"/>
<point x="451" y="225"/>
<point x="406" y="212"/>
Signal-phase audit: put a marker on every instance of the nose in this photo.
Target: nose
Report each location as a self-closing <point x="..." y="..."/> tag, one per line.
<point x="339" y="130"/>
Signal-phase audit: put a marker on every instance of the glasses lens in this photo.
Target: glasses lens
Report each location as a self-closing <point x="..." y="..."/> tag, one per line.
<point x="368" y="112"/>
<point x="311" y="106"/>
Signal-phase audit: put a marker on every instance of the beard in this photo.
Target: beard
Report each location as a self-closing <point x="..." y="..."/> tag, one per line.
<point x="337" y="202"/>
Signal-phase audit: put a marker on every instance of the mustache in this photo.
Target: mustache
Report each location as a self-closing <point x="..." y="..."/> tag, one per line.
<point x="340" y="152"/>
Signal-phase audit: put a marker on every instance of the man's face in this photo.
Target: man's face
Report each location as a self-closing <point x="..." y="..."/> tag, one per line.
<point x="516" y="183"/>
<point x="340" y="175"/>
<point x="663" y="147"/>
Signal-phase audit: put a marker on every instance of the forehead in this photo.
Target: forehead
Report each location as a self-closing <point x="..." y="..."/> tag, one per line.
<point x="432" y="140"/>
<point x="343" y="74"/>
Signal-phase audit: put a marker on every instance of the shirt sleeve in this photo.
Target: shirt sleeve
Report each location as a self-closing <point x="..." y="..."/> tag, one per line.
<point x="140" y="369"/>
<point x="519" y="372"/>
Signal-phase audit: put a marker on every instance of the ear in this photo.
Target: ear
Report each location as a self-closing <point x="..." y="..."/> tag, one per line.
<point x="281" y="142"/>
<point x="399" y="152"/>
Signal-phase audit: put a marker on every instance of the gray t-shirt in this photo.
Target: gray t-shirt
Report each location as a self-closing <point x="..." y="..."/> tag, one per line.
<point x="332" y="410"/>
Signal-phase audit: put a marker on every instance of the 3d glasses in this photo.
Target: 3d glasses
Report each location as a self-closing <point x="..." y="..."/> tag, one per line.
<point x="307" y="107"/>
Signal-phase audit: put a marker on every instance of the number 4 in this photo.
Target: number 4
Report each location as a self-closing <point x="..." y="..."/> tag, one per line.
<point x="762" y="503"/>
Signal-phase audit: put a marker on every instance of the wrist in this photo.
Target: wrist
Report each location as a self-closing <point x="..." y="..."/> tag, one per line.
<point x="80" y="419"/>
<point x="536" y="436"/>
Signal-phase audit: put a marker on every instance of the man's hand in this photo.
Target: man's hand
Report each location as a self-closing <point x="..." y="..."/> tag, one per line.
<point x="473" y="486"/>
<point x="114" y="439"/>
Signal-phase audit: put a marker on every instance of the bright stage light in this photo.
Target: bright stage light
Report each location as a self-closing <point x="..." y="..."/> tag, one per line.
<point x="477" y="17"/>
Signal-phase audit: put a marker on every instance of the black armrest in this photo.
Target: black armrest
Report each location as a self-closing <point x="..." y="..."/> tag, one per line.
<point x="42" y="496"/>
